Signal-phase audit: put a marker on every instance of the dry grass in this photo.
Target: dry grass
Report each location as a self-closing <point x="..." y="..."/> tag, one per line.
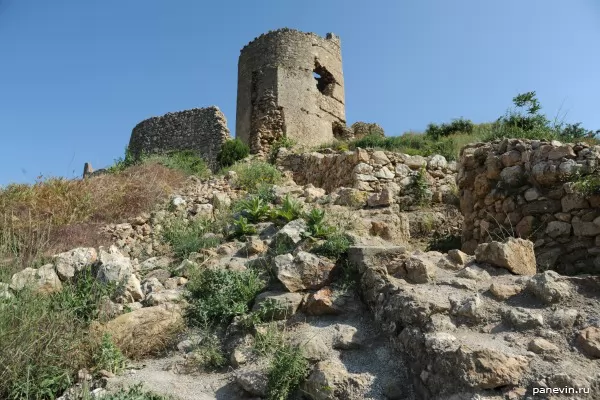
<point x="57" y="214"/>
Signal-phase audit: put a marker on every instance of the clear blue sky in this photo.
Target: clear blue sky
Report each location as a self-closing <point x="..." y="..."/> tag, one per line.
<point x="76" y="76"/>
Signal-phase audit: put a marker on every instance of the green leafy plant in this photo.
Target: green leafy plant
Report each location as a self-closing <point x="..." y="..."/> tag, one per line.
<point x="289" y="210"/>
<point x="208" y="354"/>
<point x="109" y="357"/>
<point x="216" y="296"/>
<point x="335" y="246"/>
<point x="186" y="237"/>
<point x="255" y="209"/>
<point x="316" y="225"/>
<point x="420" y="187"/>
<point x="241" y="227"/>
<point x="122" y="163"/>
<point x="287" y="370"/>
<point x="231" y="152"/>
<point x="588" y="185"/>
<point x="268" y="339"/>
<point x="250" y="176"/>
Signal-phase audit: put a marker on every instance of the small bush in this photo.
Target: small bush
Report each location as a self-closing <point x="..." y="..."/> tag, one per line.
<point x="252" y="176"/>
<point x="188" y="237"/>
<point x="109" y="357"/>
<point x="188" y="162"/>
<point x="588" y="185"/>
<point x="241" y="227"/>
<point x="335" y="246"/>
<point x="268" y="339"/>
<point x="255" y="209"/>
<point x="419" y="188"/>
<point x="289" y="210"/>
<point x="287" y="370"/>
<point x="208" y="355"/>
<point x="316" y="225"/>
<point x="216" y="296"/>
<point x="232" y="152"/>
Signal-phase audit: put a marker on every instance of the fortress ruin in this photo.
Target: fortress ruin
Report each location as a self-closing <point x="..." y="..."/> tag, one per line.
<point x="290" y="84"/>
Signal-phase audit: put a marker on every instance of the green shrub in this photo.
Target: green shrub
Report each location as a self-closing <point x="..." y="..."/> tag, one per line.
<point x="109" y="357"/>
<point x="316" y="225"/>
<point x="255" y="209"/>
<point x="268" y="339"/>
<point x="216" y="296"/>
<point x="288" y="211"/>
<point x="134" y="393"/>
<point x="252" y="176"/>
<point x="231" y="152"/>
<point x="462" y="126"/>
<point x="241" y="227"/>
<point x="188" y="237"/>
<point x="122" y="163"/>
<point x="82" y="296"/>
<point x="188" y="161"/>
<point x="335" y="246"/>
<point x="208" y="355"/>
<point x="588" y="185"/>
<point x="287" y="370"/>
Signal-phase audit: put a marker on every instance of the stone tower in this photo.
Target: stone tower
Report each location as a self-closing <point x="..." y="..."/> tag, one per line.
<point x="290" y="83"/>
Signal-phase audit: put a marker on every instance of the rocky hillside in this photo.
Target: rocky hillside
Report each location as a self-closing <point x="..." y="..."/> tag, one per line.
<point x="249" y="285"/>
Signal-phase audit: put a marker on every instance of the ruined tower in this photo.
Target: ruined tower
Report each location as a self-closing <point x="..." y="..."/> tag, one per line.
<point x="290" y="83"/>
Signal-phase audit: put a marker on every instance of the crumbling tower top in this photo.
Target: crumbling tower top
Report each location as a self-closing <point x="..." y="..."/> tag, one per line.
<point x="290" y="83"/>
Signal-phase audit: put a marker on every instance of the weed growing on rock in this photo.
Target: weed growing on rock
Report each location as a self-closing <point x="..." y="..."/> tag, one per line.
<point x="289" y="210"/>
<point x="250" y="176"/>
<point x="109" y="357"/>
<point x="216" y="296"/>
<point x="287" y="370"/>
<point x="208" y="354"/>
<point x="283" y="142"/>
<point x="316" y="224"/>
<point x="420" y="188"/>
<point x="242" y="227"/>
<point x="335" y="246"/>
<point x="255" y="209"/>
<point x="231" y="152"/>
<point x="186" y="237"/>
<point x="268" y="339"/>
<point x="588" y="185"/>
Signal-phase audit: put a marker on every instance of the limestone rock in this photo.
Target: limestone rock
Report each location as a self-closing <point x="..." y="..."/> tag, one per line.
<point x="312" y="345"/>
<point x="321" y="303"/>
<point x="306" y="271"/>
<point x="42" y="280"/>
<point x="346" y="338"/>
<point x="330" y="380"/>
<point x="221" y="201"/>
<point x="5" y="291"/>
<point x="521" y="318"/>
<point x="154" y="324"/>
<point x="73" y="261"/>
<point x="155" y="263"/>
<point x="516" y="255"/>
<point x="589" y="341"/>
<point x="254" y="246"/>
<point x="564" y="318"/>
<point x="114" y="267"/>
<point x="253" y="382"/>
<point x="162" y="297"/>
<point x="542" y="346"/>
<point x="488" y="369"/>
<point x="133" y="287"/>
<point x="419" y="269"/>
<point x="287" y="304"/>
<point x="312" y="193"/>
<point x="548" y="287"/>
<point x="504" y="291"/>
<point x="380" y="199"/>
<point x="291" y="234"/>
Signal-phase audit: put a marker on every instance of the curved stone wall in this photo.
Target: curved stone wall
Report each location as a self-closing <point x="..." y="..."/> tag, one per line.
<point x="290" y="83"/>
<point x="525" y="188"/>
<point x="203" y="130"/>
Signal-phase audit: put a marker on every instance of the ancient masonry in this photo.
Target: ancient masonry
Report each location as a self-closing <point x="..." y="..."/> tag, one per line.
<point x="525" y="188"/>
<point x="202" y="130"/>
<point x="290" y="83"/>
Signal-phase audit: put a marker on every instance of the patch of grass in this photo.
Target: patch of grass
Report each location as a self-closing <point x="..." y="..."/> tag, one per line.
<point x="109" y="357"/>
<point x="216" y="296"/>
<point x="188" y="162"/>
<point x="42" y="347"/>
<point x="588" y="185"/>
<point x="335" y="246"/>
<point x="232" y="152"/>
<point x="83" y="295"/>
<point x="268" y="339"/>
<point x="250" y="176"/>
<point x="135" y="393"/>
<point x="208" y="354"/>
<point x="186" y="237"/>
<point x="287" y="370"/>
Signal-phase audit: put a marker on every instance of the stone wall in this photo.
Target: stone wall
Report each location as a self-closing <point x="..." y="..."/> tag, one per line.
<point x="525" y="188"/>
<point x="203" y="130"/>
<point x="279" y="93"/>
<point x="373" y="171"/>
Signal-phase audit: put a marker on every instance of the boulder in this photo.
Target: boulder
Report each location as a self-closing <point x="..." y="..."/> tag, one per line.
<point x="42" y="280"/>
<point x="346" y="338"/>
<point x="73" y="261"/>
<point x="291" y="234"/>
<point x="502" y="291"/>
<point x="549" y="288"/>
<point x="114" y="267"/>
<point x="419" y="269"/>
<point x="312" y="344"/>
<point x="306" y="271"/>
<point x="330" y="380"/>
<point x="589" y="341"/>
<point x="312" y="193"/>
<point x="321" y="303"/>
<point x="254" y="382"/>
<point x="516" y="255"/>
<point x="154" y="324"/>
<point x="287" y="304"/>
<point x="542" y="346"/>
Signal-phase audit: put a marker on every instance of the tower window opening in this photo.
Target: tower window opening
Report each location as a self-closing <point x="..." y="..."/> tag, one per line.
<point x="324" y="78"/>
